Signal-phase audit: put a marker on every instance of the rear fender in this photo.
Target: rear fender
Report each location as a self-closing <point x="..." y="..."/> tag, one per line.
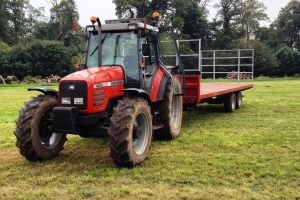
<point x="45" y="91"/>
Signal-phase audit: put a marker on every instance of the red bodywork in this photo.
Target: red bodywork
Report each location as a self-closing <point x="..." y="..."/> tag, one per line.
<point x="103" y="83"/>
<point x="156" y="84"/>
<point x="194" y="93"/>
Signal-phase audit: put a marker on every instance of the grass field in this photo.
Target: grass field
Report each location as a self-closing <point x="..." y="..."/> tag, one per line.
<point x="253" y="153"/>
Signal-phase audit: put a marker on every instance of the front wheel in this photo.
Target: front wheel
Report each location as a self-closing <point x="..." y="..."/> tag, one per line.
<point x="35" y="139"/>
<point x="130" y="132"/>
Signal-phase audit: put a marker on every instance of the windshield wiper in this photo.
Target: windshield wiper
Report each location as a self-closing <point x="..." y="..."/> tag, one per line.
<point x="103" y="39"/>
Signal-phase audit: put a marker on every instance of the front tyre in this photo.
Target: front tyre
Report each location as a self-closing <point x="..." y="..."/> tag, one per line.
<point x="35" y="139"/>
<point x="130" y="132"/>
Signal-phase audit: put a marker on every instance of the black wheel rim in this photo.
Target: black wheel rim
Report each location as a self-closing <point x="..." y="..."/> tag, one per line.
<point x="48" y="139"/>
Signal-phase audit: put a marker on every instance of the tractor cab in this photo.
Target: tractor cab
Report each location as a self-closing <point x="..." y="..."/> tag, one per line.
<point x="133" y="45"/>
<point x="118" y="49"/>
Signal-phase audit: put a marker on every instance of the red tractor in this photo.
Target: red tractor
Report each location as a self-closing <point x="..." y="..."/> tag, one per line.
<point x="126" y="88"/>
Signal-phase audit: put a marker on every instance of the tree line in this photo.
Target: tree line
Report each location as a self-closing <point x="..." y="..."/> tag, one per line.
<point x="31" y="43"/>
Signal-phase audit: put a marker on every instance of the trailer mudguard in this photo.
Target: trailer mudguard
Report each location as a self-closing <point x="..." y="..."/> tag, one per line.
<point x="45" y="91"/>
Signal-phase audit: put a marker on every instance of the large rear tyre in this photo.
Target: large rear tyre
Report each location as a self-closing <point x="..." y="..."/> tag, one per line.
<point x="170" y="112"/>
<point x="130" y="132"/>
<point x="230" y="102"/>
<point x="35" y="139"/>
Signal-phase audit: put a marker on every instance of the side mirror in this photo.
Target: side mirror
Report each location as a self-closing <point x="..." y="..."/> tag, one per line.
<point x="145" y="49"/>
<point x="154" y="37"/>
<point x="67" y="40"/>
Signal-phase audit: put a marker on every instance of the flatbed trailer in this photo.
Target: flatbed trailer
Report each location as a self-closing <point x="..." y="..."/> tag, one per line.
<point x="228" y="94"/>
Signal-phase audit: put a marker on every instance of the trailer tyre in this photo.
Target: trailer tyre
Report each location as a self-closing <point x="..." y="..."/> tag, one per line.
<point x="33" y="129"/>
<point x="230" y="102"/>
<point x="239" y="98"/>
<point x="130" y="132"/>
<point x="170" y="112"/>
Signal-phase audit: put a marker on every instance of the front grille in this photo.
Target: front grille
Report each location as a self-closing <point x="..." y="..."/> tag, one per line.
<point x="64" y="118"/>
<point x="74" y="89"/>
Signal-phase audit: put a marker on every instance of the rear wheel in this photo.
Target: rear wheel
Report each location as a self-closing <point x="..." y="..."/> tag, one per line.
<point x="239" y="98"/>
<point x="230" y="102"/>
<point x="170" y="112"/>
<point x="35" y="139"/>
<point x="130" y="132"/>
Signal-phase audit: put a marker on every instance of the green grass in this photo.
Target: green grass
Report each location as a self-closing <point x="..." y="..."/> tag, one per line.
<point x="253" y="153"/>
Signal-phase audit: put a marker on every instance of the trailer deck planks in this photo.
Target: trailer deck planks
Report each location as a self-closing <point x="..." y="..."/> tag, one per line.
<point x="213" y="90"/>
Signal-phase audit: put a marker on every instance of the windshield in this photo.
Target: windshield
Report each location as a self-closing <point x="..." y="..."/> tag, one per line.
<point x="115" y="48"/>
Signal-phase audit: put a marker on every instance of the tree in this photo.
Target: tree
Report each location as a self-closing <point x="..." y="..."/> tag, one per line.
<point x="287" y="62"/>
<point x="17" y="18"/>
<point x="171" y="11"/>
<point x="268" y="36"/>
<point x="240" y="19"/>
<point x="288" y="24"/>
<point x="3" y="21"/>
<point x="4" y="59"/>
<point x="49" y="57"/>
<point x="229" y="11"/>
<point x="63" y="16"/>
<point x="252" y="14"/>
<point x="34" y="17"/>
<point x="12" y="16"/>
<point x="196" y="25"/>
<point x="19" y="62"/>
<point x="296" y="72"/>
<point x="39" y="58"/>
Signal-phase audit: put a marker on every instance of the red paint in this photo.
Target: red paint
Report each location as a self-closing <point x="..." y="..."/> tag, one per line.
<point x="192" y="89"/>
<point x="156" y="83"/>
<point x="75" y="26"/>
<point x="213" y="90"/>
<point x="196" y="92"/>
<point x="99" y="75"/>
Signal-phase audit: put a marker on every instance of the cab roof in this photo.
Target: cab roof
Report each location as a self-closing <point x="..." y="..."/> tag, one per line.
<point x="125" y="24"/>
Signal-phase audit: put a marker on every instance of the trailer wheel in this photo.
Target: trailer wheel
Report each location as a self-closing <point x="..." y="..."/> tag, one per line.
<point x="33" y="129"/>
<point x="239" y="100"/>
<point x="170" y="112"/>
<point x="130" y="132"/>
<point x="230" y="102"/>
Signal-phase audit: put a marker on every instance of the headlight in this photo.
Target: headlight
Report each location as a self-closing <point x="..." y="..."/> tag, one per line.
<point x="78" y="101"/>
<point x="65" y="100"/>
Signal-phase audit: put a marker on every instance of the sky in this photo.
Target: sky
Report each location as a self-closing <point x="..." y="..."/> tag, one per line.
<point x="105" y="9"/>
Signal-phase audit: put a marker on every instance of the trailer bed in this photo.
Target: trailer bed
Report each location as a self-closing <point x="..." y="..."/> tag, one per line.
<point x="214" y="90"/>
<point x="196" y="92"/>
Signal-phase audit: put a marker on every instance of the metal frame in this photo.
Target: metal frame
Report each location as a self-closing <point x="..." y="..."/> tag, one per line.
<point x="197" y="54"/>
<point x="238" y="64"/>
<point x="214" y="58"/>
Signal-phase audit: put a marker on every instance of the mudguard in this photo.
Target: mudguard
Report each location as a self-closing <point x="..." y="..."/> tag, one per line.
<point x="141" y="93"/>
<point x="45" y="91"/>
